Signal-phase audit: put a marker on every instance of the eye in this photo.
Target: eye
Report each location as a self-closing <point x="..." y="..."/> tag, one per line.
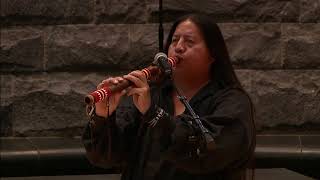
<point x="190" y="42"/>
<point x="174" y="39"/>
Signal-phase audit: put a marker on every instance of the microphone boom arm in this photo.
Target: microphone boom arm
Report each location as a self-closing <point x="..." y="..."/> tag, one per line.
<point x="207" y="139"/>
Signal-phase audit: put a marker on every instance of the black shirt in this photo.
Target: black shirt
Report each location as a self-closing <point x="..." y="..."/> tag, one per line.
<point x="157" y="145"/>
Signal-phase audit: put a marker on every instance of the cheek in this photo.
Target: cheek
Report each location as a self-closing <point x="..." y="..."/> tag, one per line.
<point x="198" y="60"/>
<point x="197" y="56"/>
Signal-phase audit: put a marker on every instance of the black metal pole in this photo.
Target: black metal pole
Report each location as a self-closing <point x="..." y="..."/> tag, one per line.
<point x="206" y="135"/>
<point x="209" y="143"/>
<point x="160" y="33"/>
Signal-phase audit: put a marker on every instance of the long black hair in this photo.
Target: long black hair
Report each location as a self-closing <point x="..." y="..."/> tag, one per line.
<point x="221" y="69"/>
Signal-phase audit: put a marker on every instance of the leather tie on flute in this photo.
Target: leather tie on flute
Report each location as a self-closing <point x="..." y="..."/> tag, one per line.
<point x="150" y="72"/>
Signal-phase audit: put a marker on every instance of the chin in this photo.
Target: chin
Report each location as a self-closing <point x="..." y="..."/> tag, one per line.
<point x="180" y="78"/>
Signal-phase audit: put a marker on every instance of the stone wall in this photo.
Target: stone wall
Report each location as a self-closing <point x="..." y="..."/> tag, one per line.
<point x="55" y="52"/>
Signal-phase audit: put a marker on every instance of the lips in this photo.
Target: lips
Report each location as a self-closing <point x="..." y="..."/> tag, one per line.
<point x="178" y="58"/>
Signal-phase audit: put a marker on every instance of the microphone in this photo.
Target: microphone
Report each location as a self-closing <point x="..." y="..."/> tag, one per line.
<point x="152" y="72"/>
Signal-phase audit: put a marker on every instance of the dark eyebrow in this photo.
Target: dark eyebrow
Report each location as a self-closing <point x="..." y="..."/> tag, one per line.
<point x="189" y="35"/>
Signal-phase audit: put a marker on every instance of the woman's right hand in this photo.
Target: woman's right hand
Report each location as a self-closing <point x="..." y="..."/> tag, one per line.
<point x="101" y="106"/>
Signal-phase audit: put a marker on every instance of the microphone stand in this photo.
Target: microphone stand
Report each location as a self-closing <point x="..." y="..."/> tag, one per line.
<point x="207" y="139"/>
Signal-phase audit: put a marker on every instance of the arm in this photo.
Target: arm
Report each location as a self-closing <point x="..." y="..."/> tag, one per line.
<point x="230" y="123"/>
<point x="107" y="140"/>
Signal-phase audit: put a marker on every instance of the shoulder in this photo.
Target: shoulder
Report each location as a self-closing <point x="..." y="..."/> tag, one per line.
<point x="233" y="94"/>
<point x="233" y="102"/>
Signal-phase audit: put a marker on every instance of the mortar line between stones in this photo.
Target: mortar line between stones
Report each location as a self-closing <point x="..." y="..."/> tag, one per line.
<point x="129" y="37"/>
<point x="94" y="19"/>
<point x="45" y="58"/>
<point x="281" y="47"/>
<point x="299" y="12"/>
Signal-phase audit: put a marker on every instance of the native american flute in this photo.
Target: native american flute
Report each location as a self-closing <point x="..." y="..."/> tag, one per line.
<point x="106" y="91"/>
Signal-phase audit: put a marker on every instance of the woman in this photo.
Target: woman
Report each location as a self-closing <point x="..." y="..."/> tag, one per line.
<point x="148" y="133"/>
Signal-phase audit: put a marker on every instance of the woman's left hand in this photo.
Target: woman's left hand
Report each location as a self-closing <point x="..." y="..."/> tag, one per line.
<point x="140" y="91"/>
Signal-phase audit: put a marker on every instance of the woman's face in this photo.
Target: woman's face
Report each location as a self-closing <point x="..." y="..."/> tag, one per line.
<point x="189" y="48"/>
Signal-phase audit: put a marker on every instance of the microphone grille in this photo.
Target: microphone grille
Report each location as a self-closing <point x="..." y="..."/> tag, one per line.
<point x="159" y="55"/>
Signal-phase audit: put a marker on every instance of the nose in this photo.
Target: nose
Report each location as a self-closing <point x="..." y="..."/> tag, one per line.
<point x="180" y="48"/>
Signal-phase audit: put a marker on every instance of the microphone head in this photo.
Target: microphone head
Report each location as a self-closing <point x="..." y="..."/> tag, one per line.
<point x="160" y="55"/>
<point x="171" y="60"/>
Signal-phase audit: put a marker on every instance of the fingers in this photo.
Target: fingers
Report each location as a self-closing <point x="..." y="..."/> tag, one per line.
<point x="138" y="78"/>
<point x="139" y="74"/>
<point x="109" y="81"/>
<point x="136" y="91"/>
<point x="114" y="80"/>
